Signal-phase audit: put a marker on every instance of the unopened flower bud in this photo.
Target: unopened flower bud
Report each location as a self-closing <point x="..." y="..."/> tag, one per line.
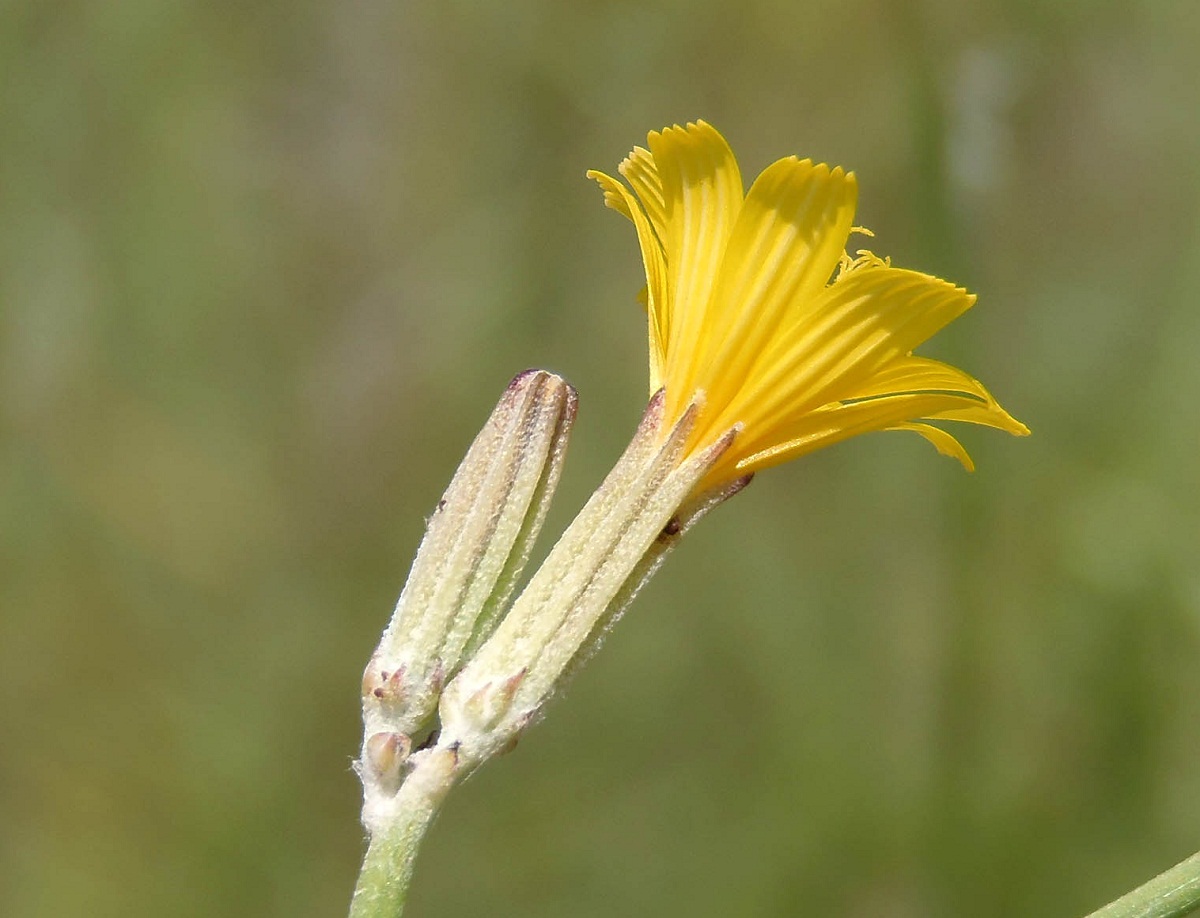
<point x="475" y="547"/>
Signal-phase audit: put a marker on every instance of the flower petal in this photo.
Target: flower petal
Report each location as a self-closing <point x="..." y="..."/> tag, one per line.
<point x="991" y="415"/>
<point x="916" y="374"/>
<point x="836" y="422"/>
<point x="943" y="442"/>
<point x="837" y="342"/>
<point x="639" y="170"/>
<point x="786" y="243"/>
<point x="702" y="194"/>
<point x="619" y="198"/>
<point x="921" y="374"/>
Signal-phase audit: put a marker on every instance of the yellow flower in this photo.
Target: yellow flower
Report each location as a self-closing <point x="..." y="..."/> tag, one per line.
<point x="753" y="301"/>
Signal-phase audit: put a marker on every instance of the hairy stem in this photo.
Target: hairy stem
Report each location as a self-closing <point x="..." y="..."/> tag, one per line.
<point x="1171" y="894"/>
<point x="397" y="824"/>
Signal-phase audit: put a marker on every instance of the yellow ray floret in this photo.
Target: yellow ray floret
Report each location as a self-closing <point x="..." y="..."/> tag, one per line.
<point x="752" y="300"/>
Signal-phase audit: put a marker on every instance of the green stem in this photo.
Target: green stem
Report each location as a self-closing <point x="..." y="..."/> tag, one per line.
<point x="398" y="826"/>
<point x="387" y="870"/>
<point x="1169" y="895"/>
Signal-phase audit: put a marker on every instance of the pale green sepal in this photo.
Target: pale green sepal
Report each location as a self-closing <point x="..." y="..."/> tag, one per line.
<point x="684" y="519"/>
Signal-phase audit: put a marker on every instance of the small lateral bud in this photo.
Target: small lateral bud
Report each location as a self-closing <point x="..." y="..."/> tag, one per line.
<point x="384" y="755"/>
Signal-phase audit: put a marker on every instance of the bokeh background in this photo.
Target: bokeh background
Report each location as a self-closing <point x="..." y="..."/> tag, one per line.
<point x="265" y="268"/>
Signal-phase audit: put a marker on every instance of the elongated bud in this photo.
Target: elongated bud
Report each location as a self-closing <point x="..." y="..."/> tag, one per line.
<point x="475" y="547"/>
<point x="610" y="549"/>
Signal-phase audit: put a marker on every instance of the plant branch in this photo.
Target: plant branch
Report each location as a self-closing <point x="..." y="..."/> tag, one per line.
<point x="1169" y="895"/>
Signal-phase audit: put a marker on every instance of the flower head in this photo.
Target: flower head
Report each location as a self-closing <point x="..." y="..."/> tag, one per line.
<point x="753" y="301"/>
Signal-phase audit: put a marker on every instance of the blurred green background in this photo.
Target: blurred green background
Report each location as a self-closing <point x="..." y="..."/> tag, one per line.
<point x="264" y="270"/>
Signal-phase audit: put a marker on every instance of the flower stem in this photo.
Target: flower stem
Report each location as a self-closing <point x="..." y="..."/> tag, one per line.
<point x="1169" y="895"/>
